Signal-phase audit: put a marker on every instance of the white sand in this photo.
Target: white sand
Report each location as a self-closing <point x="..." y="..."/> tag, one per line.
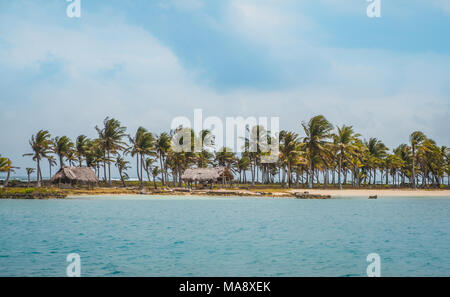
<point x="379" y="193"/>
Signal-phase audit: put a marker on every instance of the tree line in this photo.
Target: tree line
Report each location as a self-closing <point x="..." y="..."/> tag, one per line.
<point x="325" y="156"/>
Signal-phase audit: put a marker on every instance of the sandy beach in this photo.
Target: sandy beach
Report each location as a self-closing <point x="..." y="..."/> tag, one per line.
<point x="379" y="193"/>
<point x="285" y="193"/>
<point x="43" y="193"/>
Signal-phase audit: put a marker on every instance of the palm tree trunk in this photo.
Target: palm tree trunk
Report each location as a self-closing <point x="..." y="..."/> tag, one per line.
<point x="311" y="175"/>
<point x="142" y="177"/>
<point x="122" y="179"/>
<point x="109" y="170"/>
<point x="339" y="171"/>
<point x="162" y="169"/>
<point x="38" y="170"/>
<point x="137" y="166"/>
<point x="104" y="168"/>
<point x="7" y="178"/>
<point x="289" y="174"/>
<point x="253" y="173"/>
<point x="257" y="171"/>
<point x="413" y="167"/>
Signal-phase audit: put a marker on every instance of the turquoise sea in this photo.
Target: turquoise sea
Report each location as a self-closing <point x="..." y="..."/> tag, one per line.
<point x="210" y="236"/>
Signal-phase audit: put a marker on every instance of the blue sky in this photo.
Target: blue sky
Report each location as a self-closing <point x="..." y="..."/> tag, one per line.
<point x="146" y="62"/>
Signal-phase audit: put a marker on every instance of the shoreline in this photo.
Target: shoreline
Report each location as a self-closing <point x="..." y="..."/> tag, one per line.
<point x="382" y="192"/>
<point x="278" y="193"/>
<point x="55" y="193"/>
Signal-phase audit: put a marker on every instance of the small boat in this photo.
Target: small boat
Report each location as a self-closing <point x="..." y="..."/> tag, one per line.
<point x="373" y="197"/>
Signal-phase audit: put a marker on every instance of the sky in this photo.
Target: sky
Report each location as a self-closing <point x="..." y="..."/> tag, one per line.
<point x="146" y="62"/>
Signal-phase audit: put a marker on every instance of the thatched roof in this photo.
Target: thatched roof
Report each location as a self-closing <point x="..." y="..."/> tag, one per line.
<point x="205" y="174"/>
<point x="75" y="174"/>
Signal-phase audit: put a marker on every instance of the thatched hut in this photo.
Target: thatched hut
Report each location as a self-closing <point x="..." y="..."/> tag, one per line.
<point x="74" y="175"/>
<point x="207" y="175"/>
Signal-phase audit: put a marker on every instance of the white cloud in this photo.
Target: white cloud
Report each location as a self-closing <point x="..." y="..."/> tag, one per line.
<point x="382" y="94"/>
<point x="443" y="4"/>
<point x="266" y="21"/>
<point x="92" y="49"/>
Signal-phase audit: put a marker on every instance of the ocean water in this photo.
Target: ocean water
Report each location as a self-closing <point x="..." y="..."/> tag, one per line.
<point x="212" y="236"/>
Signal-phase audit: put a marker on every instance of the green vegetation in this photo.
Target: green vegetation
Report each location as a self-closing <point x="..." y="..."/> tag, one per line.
<point x="31" y="193"/>
<point x="6" y="166"/>
<point x="41" y="146"/>
<point x="325" y="157"/>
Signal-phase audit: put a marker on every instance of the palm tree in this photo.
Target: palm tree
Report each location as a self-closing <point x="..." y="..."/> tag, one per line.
<point x="204" y="159"/>
<point x="403" y="152"/>
<point x="242" y="165"/>
<point x="206" y="140"/>
<point x="6" y="166"/>
<point x="416" y="138"/>
<point x="148" y="166"/>
<point x="225" y="157"/>
<point x="41" y="146"/>
<point x="62" y="147"/>
<point x="317" y="131"/>
<point x="393" y="163"/>
<point x="253" y="145"/>
<point x="344" y="140"/>
<point x="376" y="151"/>
<point x="3" y="164"/>
<point x="155" y="172"/>
<point x="81" y="147"/>
<point x="72" y="157"/>
<point x="122" y="166"/>
<point x="357" y="155"/>
<point x="141" y="144"/>
<point x="51" y="163"/>
<point x="430" y="159"/>
<point x="447" y="164"/>
<point x="134" y="149"/>
<point x="110" y="137"/>
<point x="94" y="155"/>
<point x="289" y="151"/>
<point x="29" y="172"/>
<point x="162" y="147"/>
